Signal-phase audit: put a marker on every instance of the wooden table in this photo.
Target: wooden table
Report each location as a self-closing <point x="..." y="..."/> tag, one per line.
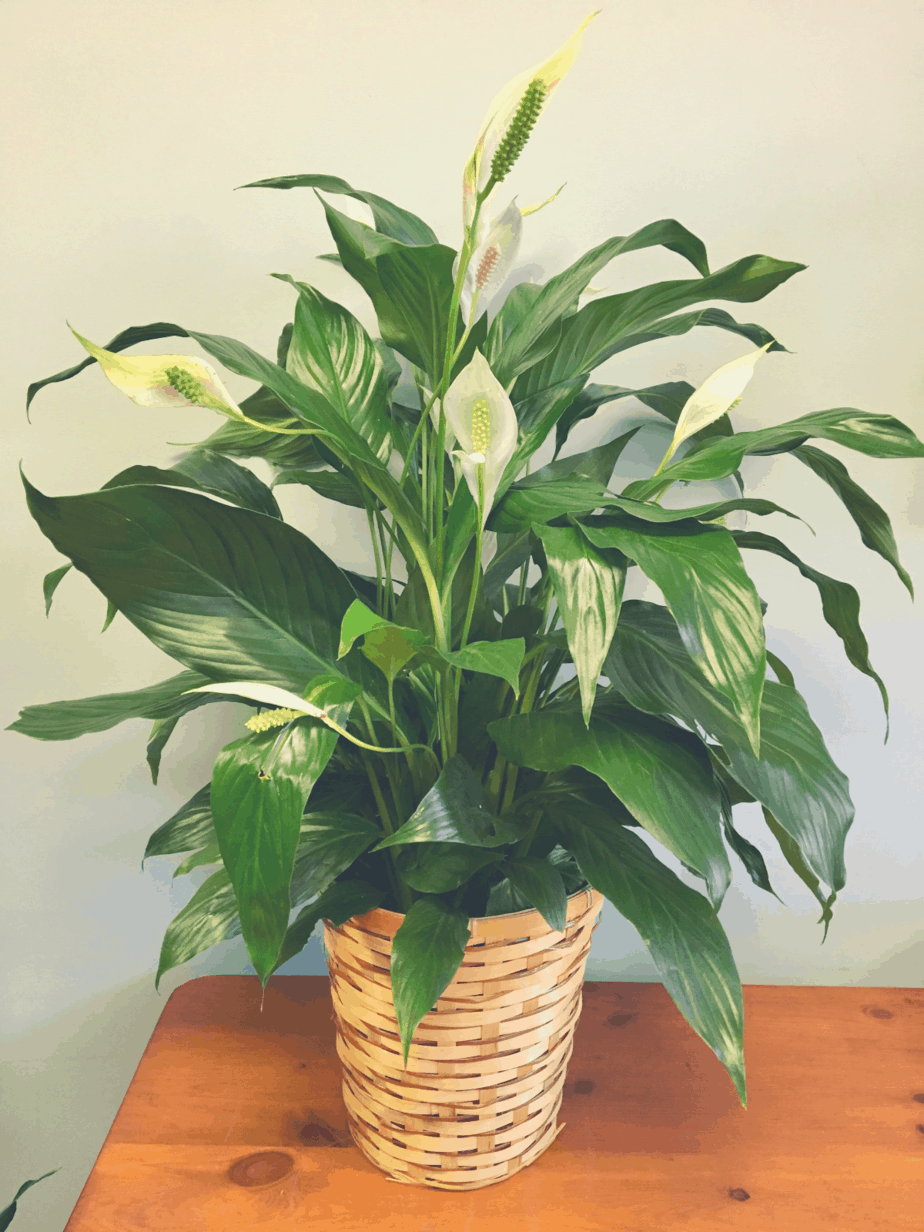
<point x="234" y="1121"/>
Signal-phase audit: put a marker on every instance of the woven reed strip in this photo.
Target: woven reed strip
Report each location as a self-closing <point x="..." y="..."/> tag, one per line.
<point x="479" y="1097"/>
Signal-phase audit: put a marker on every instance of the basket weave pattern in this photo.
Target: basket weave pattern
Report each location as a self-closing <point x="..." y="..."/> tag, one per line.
<point x="483" y="1085"/>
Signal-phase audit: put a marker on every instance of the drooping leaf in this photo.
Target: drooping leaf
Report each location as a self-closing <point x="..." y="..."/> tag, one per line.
<point x="67" y="720"/>
<point x="209" y="472"/>
<point x="209" y="918"/>
<point x="792" y="853"/>
<point x="205" y="856"/>
<point x="660" y="773"/>
<point x="702" y="577"/>
<point x="391" y="220"/>
<point x="871" y="519"/>
<point x="159" y="735"/>
<point x="341" y="901"/>
<point x="190" y="826"/>
<point x="794" y="776"/>
<point x="783" y="674"/>
<point x="51" y="581"/>
<point x="588" y="583"/>
<point x="840" y="605"/>
<point x="6" y="1215"/>
<point x="453" y="811"/>
<point x="681" y="933"/>
<point x="332" y="485"/>
<point x="259" y="788"/>
<point x="328" y="843"/>
<point x="541" y="884"/>
<point x="426" y="953"/>
<point x="879" y="436"/>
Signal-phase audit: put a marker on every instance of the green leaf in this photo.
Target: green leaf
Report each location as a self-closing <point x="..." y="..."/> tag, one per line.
<point x="595" y="465"/>
<point x="121" y="342"/>
<point x="332" y="353"/>
<point x="51" y="581"/>
<point x="660" y="773"/>
<point x="208" y="918"/>
<point x="702" y="577"/>
<point x="328" y="844"/>
<point x="681" y="933"/>
<point x="6" y="1215"/>
<point x="792" y="853"/>
<point x="279" y="448"/>
<point x="340" y="902"/>
<point x="879" y="436"/>
<point x="542" y="886"/>
<point x="67" y="720"/>
<point x="390" y="220"/>
<point x="205" y="471"/>
<point x="207" y="855"/>
<point x="332" y="485"/>
<point x="439" y="868"/>
<point x="425" y="955"/>
<point x="783" y="674"/>
<point x="225" y="591"/>
<point x="840" y="605"/>
<point x="515" y="352"/>
<point x="667" y="399"/>
<point x="871" y="519"/>
<point x="160" y="733"/>
<point x="190" y="826"/>
<point x="588" y="583"/>
<point x="259" y="788"/>
<point x="503" y="658"/>
<point x="389" y="646"/>
<point x="794" y="776"/>
<point x="452" y="811"/>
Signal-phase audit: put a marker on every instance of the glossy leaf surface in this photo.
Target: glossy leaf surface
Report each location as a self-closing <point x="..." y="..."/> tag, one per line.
<point x="453" y="811"/>
<point x="426" y="954"/>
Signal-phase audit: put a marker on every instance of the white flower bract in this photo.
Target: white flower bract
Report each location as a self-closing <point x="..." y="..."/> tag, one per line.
<point x="484" y="424"/>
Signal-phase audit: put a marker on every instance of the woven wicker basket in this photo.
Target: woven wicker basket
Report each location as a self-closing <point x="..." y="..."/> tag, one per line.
<point x="480" y="1096"/>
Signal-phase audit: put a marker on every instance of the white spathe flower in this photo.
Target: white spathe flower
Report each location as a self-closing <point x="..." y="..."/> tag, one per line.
<point x="501" y="112"/>
<point x="714" y="398"/>
<point x="484" y="424"/>
<point x="164" y="380"/>
<point x="496" y="248"/>
<point x="265" y="694"/>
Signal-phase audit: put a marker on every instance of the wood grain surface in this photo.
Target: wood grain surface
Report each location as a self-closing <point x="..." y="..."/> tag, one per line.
<point x="234" y="1121"/>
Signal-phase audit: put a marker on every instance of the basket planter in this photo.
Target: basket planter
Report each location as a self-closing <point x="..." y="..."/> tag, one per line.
<point x="479" y="1098"/>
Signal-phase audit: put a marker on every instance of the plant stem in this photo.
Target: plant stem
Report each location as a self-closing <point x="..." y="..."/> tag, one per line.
<point x="524" y="845"/>
<point x="399" y="888"/>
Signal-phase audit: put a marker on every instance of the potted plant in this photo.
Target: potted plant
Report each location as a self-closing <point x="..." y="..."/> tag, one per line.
<point x="451" y="762"/>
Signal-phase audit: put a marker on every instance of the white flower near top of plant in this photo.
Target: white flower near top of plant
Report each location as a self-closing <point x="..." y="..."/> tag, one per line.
<point x="164" y="380"/>
<point x="510" y="118"/>
<point x="714" y="398"/>
<point x="484" y="424"/>
<point x="490" y="264"/>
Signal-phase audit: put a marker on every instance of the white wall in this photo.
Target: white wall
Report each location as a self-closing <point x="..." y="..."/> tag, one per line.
<point x="790" y="127"/>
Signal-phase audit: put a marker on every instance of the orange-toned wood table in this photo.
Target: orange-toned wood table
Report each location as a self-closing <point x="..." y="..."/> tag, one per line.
<point x="234" y="1121"/>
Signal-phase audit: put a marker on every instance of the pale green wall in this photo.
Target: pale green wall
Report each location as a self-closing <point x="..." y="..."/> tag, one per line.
<point x="791" y="127"/>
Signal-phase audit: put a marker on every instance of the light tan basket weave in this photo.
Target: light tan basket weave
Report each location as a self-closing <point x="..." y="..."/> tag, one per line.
<point x="480" y="1096"/>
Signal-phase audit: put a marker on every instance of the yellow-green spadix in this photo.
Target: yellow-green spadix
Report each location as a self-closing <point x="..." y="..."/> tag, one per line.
<point x="164" y="380"/>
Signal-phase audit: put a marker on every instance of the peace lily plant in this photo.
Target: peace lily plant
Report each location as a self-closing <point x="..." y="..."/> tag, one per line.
<point x="483" y="726"/>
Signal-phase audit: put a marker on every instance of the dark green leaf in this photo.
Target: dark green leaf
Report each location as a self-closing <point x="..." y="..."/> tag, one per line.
<point x="6" y="1215"/>
<point x="502" y="658"/>
<point x="588" y="583"/>
<point x="541" y="884"/>
<point x="67" y="720"/>
<point x="783" y="674"/>
<point x="871" y="519"/>
<point x="328" y="844"/>
<point x="340" y="902"/>
<point x="512" y="552"/>
<point x="701" y="575"/>
<point x="390" y="220"/>
<point x="160" y="733"/>
<point x="259" y="788"/>
<point x="595" y="464"/>
<point x="121" y="342"/>
<point x="209" y="472"/>
<point x="426" y="954"/>
<point x="438" y="868"/>
<point x="207" y="855"/>
<point x="208" y="918"/>
<point x="660" y="773"/>
<point x="50" y="583"/>
<point x="279" y="448"/>
<point x="681" y="933"/>
<point x="190" y="826"/>
<point x="332" y="485"/>
<point x="840" y="605"/>
<point x="793" y="856"/>
<point x="667" y="399"/>
<point x="452" y="811"/>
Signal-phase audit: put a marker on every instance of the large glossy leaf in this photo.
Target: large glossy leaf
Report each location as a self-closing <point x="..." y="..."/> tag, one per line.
<point x="794" y="776"/>
<point x="660" y="773"/>
<point x="561" y="292"/>
<point x="202" y="470"/>
<point x="541" y="884"/>
<point x="340" y="902"/>
<point x="439" y="868"/>
<point x="681" y="933"/>
<point x="871" y="519"/>
<point x="190" y="826"/>
<point x="332" y="353"/>
<point x="879" y="436"/>
<point x="390" y="220"/>
<point x="701" y="575"/>
<point x="328" y="843"/>
<point x="840" y="605"/>
<point x="332" y="485"/>
<point x="121" y="342"/>
<point x="227" y="592"/>
<point x="453" y="811"/>
<point x="259" y="788"/>
<point x="425" y="955"/>
<point x="67" y="720"/>
<point x="588" y="583"/>
<point x="208" y="918"/>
